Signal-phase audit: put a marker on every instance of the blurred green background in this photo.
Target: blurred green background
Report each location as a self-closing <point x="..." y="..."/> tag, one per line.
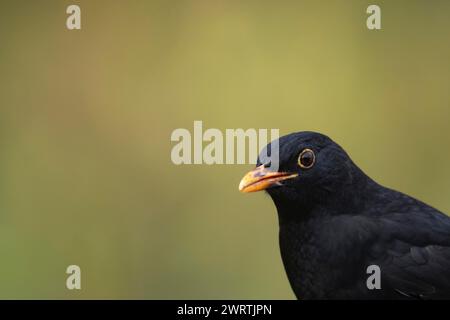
<point x="86" y="118"/>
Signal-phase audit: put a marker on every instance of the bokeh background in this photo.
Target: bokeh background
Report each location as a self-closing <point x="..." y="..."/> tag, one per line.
<point x="86" y="118"/>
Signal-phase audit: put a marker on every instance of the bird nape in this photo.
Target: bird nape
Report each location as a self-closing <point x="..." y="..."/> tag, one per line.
<point x="335" y="222"/>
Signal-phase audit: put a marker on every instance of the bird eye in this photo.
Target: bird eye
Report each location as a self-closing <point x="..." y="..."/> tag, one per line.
<point x="306" y="159"/>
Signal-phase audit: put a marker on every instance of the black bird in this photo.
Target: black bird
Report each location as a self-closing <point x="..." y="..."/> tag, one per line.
<point x="335" y="222"/>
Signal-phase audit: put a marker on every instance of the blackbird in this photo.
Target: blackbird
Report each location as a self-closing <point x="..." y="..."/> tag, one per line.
<point x="335" y="222"/>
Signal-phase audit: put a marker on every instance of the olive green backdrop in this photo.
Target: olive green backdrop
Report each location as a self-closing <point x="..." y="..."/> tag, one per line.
<point x="86" y="117"/>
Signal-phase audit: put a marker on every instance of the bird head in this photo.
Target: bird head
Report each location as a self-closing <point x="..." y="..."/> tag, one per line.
<point x="312" y="170"/>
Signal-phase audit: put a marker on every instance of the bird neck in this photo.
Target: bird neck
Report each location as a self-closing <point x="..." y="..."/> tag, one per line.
<point x="349" y="198"/>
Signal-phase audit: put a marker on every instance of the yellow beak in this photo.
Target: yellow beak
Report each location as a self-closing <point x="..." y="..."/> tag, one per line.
<point x="260" y="178"/>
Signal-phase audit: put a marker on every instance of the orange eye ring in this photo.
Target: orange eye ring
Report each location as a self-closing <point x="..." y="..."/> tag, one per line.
<point x="306" y="159"/>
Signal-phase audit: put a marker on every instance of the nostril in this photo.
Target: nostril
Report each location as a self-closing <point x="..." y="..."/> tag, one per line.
<point x="259" y="174"/>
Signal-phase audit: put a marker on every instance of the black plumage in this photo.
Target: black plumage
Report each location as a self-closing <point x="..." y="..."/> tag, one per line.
<point x="335" y="221"/>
